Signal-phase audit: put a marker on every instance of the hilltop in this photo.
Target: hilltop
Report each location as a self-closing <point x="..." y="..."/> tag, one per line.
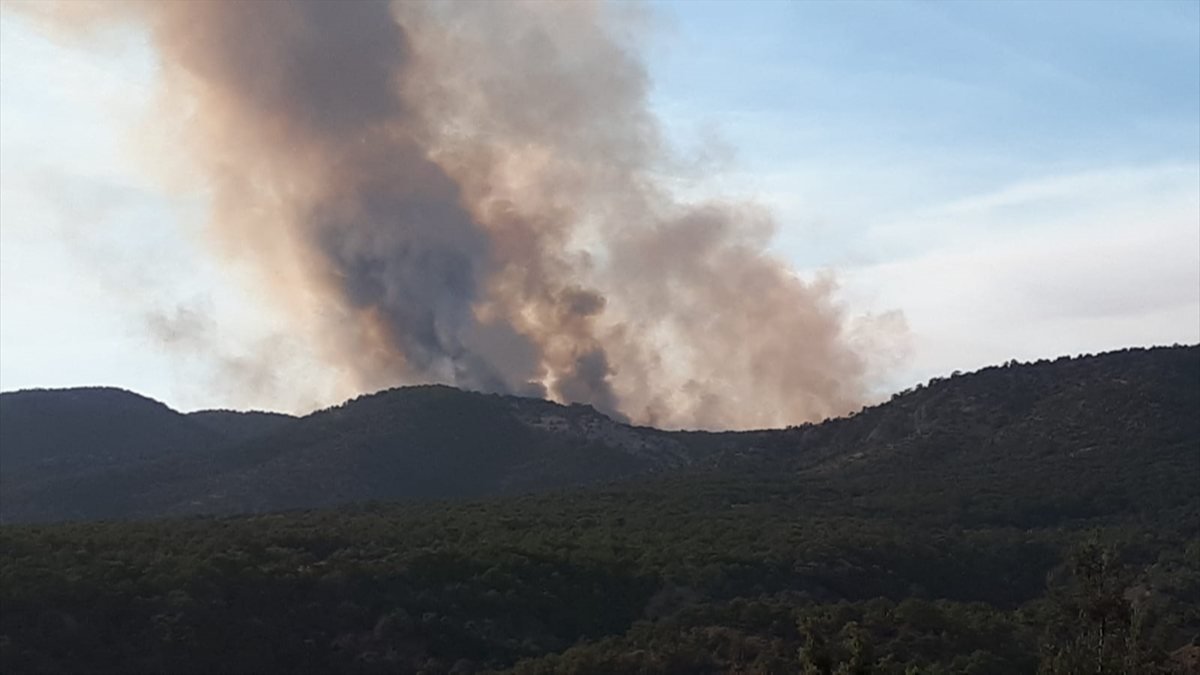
<point x="988" y="522"/>
<point x="105" y="453"/>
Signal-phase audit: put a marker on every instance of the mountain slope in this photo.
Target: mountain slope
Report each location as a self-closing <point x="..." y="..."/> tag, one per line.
<point x="237" y="425"/>
<point x="52" y="442"/>
<point x="415" y="442"/>
<point x="1114" y="432"/>
<point x="1089" y="435"/>
<point x="977" y="524"/>
<point x="89" y="426"/>
<point x="429" y="442"/>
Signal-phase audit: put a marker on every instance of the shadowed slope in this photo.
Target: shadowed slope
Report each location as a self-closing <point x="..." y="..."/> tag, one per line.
<point x="1089" y="435"/>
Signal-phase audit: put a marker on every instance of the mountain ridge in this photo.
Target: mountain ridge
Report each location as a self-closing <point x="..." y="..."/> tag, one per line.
<point x="435" y="441"/>
<point x="969" y="525"/>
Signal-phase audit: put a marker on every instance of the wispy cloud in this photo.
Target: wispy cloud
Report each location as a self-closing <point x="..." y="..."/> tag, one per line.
<point x="1072" y="263"/>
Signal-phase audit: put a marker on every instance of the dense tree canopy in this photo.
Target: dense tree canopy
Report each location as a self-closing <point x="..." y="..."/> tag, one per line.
<point x="954" y="530"/>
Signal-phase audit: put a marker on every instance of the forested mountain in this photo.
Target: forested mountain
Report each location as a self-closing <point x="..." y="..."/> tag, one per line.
<point x="54" y="442"/>
<point x="430" y="442"/>
<point x="1026" y="518"/>
<point x="1116" y="432"/>
<point x="103" y="453"/>
<point x="407" y="443"/>
<point x="76" y="428"/>
<point x="238" y="425"/>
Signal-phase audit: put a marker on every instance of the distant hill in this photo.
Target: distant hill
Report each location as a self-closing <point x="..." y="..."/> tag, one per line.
<point x="1025" y="518"/>
<point x="413" y="442"/>
<point x="1114" y="432"/>
<point x="52" y="442"/>
<point x="429" y="442"/>
<point x="1094" y="434"/>
<point x="72" y="428"/>
<point x="237" y="425"/>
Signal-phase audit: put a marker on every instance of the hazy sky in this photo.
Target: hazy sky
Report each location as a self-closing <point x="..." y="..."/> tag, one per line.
<point x="1021" y="180"/>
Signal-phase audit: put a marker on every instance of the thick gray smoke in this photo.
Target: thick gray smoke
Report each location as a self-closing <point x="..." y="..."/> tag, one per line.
<point x="469" y="193"/>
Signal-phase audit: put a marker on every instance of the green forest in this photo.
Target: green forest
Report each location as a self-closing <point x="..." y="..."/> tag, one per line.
<point x="1002" y="539"/>
<point x="699" y="576"/>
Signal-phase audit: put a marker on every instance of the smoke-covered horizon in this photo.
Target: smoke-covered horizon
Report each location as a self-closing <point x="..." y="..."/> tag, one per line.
<point x="472" y="194"/>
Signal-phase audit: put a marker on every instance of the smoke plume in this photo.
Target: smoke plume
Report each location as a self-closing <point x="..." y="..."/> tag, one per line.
<point x="471" y="193"/>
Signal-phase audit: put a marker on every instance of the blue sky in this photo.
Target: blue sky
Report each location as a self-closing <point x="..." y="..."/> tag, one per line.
<point x="1020" y="179"/>
<point x="930" y="100"/>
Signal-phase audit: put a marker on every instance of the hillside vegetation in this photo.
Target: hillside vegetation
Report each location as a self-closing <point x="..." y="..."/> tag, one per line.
<point x="123" y="456"/>
<point x="1027" y="518"/>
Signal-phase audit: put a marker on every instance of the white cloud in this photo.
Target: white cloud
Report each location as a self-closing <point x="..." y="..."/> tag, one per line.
<point x="92" y="245"/>
<point x="1070" y="264"/>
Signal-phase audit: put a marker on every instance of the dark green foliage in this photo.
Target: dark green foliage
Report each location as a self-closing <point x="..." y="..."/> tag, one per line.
<point x="58" y="447"/>
<point x="411" y="443"/>
<point x="1103" y="618"/>
<point x="997" y="429"/>
<point x="240" y="426"/>
<point x="1002" y="552"/>
<point x="660" y="578"/>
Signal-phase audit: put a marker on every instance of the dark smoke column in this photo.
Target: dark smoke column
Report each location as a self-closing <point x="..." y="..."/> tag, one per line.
<point x="472" y="193"/>
<point x="302" y="126"/>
